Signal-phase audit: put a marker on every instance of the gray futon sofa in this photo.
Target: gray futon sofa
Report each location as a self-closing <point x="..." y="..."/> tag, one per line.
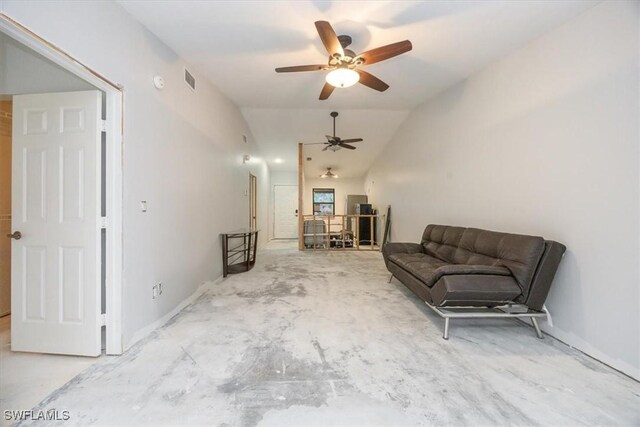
<point x="469" y="267"/>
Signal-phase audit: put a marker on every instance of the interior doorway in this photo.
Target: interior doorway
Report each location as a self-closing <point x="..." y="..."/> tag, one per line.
<point x="253" y="202"/>
<point x="65" y="179"/>
<point x="285" y="211"/>
<point x="6" y="106"/>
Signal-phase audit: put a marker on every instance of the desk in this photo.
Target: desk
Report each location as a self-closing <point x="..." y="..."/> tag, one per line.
<point x="238" y="250"/>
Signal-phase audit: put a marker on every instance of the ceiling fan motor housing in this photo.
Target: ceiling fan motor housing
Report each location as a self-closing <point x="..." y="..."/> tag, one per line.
<point x="345" y="40"/>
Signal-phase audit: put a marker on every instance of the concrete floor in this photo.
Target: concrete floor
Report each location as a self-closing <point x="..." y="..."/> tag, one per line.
<point x="322" y="339"/>
<point x="28" y="378"/>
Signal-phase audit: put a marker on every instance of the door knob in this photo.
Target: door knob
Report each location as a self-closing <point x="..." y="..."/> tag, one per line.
<point x="16" y="235"/>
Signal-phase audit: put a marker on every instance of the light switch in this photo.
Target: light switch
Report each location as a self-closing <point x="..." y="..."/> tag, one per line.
<point x="143" y="205"/>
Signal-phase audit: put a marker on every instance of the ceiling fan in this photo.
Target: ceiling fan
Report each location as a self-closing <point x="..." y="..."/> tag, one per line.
<point x="334" y="142"/>
<point x="328" y="174"/>
<point x="344" y="63"/>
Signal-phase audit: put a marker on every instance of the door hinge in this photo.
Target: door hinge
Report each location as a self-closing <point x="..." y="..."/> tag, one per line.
<point x="103" y="319"/>
<point x="103" y="125"/>
<point x="103" y="222"/>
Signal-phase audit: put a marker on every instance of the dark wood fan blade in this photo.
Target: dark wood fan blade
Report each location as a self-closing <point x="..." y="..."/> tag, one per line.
<point x="385" y="52"/>
<point x="329" y="38"/>
<point x="352" y="140"/>
<point x="372" y="81"/>
<point x="326" y="148"/>
<point x="350" y="147"/>
<point x="297" y="68"/>
<point x="314" y="143"/>
<point x="326" y="91"/>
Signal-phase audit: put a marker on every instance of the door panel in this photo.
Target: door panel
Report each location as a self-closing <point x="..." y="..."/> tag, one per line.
<point x="71" y="184"/>
<point x="285" y="218"/>
<point x="56" y="206"/>
<point x="34" y="184"/>
<point x="33" y="282"/>
<point x="71" y="284"/>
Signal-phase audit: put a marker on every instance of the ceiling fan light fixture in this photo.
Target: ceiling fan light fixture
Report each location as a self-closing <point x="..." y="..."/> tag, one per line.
<point x="328" y="174"/>
<point x="342" y="77"/>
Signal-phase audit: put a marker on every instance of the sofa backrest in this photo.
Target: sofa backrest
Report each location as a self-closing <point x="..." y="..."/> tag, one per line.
<point x="519" y="253"/>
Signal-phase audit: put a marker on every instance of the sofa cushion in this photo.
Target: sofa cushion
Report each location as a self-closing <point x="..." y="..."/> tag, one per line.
<point x="441" y="241"/>
<point x="455" y="269"/>
<point x="519" y="253"/>
<point x="471" y="246"/>
<point x="474" y="290"/>
<point x="428" y="269"/>
<point x="420" y="265"/>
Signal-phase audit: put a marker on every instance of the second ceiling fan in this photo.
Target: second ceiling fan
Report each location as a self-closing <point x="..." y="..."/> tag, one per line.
<point x="334" y="142"/>
<point x="344" y="63"/>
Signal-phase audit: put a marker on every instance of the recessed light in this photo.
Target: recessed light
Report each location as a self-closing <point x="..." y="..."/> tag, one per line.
<point x="278" y="160"/>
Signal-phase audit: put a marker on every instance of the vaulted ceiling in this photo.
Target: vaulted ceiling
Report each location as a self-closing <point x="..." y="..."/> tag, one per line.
<point x="238" y="44"/>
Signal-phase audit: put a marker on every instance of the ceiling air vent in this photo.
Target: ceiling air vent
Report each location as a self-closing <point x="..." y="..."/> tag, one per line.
<point x="191" y="81"/>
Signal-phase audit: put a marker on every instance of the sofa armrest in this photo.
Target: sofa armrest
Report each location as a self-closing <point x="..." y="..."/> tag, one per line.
<point x="401" y="248"/>
<point x="546" y="271"/>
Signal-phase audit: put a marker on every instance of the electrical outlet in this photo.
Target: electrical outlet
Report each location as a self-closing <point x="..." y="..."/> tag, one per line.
<point x="156" y="291"/>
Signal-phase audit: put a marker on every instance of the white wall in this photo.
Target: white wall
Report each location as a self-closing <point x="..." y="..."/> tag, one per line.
<point x="278" y="178"/>
<point x="182" y="153"/>
<point x="24" y="71"/>
<point x="543" y="142"/>
<point x="342" y="187"/>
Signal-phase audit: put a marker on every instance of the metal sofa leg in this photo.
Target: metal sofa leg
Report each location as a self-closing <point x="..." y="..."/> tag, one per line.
<point x="445" y="335"/>
<point x="534" y="321"/>
<point x="390" y="278"/>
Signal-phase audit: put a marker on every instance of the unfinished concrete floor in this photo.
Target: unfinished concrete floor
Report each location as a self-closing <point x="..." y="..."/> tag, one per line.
<point x="323" y="339"/>
<point x="27" y="378"/>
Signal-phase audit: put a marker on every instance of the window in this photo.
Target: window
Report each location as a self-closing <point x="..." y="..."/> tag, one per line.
<point x="323" y="201"/>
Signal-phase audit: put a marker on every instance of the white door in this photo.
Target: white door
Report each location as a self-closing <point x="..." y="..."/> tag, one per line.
<point x="285" y="217"/>
<point x="55" y="286"/>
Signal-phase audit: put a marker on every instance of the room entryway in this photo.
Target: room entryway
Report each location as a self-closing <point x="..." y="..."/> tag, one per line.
<point x="285" y="212"/>
<point x="60" y="203"/>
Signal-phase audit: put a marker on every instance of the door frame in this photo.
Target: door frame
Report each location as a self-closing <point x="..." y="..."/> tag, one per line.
<point x="114" y="139"/>
<point x="274" y="207"/>
<point x="253" y="201"/>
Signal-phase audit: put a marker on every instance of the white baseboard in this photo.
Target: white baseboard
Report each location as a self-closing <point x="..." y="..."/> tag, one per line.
<point x="579" y="344"/>
<point x="144" y="332"/>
